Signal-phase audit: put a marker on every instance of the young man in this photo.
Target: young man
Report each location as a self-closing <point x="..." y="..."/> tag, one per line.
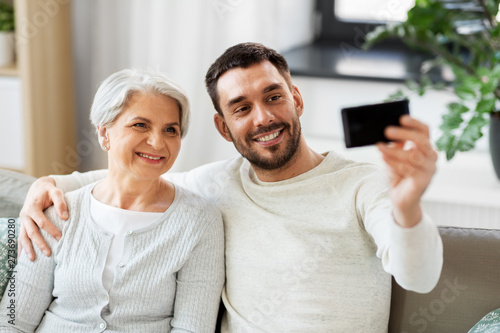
<point x="311" y="239"/>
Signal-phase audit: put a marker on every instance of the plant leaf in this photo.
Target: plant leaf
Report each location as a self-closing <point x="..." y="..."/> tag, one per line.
<point x="457" y="107"/>
<point x="486" y="105"/>
<point x="451" y="121"/>
<point x="488" y="86"/>
<point x="471" y="133"/>
<point x="446" y="143"/>
<point x="465" y="92"/>
<point x="453" y="118"/>
<point x="398" y="95"/>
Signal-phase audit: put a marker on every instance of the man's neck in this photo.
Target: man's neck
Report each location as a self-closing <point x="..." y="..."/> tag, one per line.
<point x="304" y="160"/>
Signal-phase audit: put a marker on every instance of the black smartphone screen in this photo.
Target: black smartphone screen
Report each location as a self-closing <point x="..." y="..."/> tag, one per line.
<point x="364" y="125"/>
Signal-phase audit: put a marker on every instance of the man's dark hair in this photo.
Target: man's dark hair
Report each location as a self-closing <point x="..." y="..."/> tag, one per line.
<point x="243" y="55"/>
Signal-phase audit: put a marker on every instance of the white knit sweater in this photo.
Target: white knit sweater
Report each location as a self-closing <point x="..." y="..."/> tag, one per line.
<point x="169" y="279"/>
<point x="314" y="253"/>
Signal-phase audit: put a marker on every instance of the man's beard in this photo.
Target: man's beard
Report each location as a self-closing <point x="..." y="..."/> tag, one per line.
<point x="279" y="159"/>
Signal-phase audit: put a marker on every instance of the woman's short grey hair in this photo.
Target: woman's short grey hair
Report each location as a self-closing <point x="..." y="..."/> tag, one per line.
<point x="115" y="92"/>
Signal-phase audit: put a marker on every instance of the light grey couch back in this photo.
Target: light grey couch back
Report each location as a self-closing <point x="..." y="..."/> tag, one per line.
<point x="13" y="189"/>
<point x="468" y="289"/>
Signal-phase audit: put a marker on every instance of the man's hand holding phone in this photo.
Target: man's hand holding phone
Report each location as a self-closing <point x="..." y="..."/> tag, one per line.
<point x="405" y="147"/>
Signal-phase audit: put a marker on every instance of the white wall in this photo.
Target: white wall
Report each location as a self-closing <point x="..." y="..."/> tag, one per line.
<point x="182" y="38"/>
<point x="464" y="192"/>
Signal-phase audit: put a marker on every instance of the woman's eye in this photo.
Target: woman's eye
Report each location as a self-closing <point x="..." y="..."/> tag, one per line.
<point x="141" y="125"/>
<point x="171" y="130"/>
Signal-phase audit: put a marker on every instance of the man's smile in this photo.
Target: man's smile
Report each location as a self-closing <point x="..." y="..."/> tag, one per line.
<point x="268" y="136"/>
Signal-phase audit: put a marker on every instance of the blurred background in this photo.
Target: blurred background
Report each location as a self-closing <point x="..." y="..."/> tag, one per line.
<point x="65" y="48"/>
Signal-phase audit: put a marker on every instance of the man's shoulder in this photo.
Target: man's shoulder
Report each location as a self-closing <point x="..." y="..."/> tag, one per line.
<point x="338" y="163"/>
<point x="196" y="202"/>
<point x="209" y="180"/>
<point x="230" y="166"/>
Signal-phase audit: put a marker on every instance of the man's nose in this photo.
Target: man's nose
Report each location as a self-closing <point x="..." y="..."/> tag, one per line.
<point x="262" y="115"/>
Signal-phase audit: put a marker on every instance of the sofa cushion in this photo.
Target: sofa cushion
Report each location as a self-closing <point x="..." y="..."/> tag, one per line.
<point x="488" y="324"/>
<point x="13" y="189"/>
<point x="469" y="286"/>
<point x="9" y="228"/>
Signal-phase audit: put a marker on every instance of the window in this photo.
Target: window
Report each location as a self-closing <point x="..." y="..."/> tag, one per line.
<point x="350" y="20"/>
<point x="337" y="49"/>
<point x="372" y="10"/>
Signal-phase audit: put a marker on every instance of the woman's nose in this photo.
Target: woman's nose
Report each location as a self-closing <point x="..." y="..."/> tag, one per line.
<point x="156" y="141"/>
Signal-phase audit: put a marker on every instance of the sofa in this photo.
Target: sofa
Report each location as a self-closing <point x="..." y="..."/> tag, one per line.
<point x="468" y="289"/>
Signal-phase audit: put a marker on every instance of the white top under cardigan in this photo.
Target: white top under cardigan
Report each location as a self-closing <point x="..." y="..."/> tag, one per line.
<point x="118" y="222"/>
<point x="170" y="280"/>
<point x="313" y="253"/>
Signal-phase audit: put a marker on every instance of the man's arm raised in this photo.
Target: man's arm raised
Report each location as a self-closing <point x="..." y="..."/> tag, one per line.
<point x="42" y="194"/>
<point x="411" y="162"/>
<point x="411" y="168"/>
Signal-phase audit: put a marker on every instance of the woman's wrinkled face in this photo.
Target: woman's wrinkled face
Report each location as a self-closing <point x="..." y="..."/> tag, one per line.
<point x="145" y="139"/>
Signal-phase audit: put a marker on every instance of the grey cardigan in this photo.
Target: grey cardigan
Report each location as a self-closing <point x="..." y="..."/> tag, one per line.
<point x="170" y="277"/>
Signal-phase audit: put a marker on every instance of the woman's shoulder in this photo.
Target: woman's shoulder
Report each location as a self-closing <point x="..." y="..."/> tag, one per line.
<point x="74" y="201"/>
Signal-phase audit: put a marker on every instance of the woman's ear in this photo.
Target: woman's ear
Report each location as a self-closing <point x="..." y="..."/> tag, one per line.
<point x="102" y="135"/>
<point x="221" y="126"/>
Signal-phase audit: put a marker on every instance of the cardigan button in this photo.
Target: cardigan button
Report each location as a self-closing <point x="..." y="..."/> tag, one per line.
<point x="102" y="325"/>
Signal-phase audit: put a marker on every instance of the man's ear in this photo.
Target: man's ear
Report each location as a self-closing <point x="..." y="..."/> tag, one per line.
<point x="221" y="126"/>
<point x="298" y="101"/>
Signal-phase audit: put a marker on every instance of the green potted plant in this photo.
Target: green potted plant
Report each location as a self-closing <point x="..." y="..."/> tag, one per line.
<point x="7" y="25"/>
<point x="463" y="35"/>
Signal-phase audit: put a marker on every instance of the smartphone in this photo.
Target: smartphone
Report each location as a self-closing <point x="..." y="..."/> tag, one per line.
<point x="364" y="125"/>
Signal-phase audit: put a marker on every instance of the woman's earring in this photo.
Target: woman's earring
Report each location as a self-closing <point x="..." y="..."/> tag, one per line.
<point x="105" y="148"/>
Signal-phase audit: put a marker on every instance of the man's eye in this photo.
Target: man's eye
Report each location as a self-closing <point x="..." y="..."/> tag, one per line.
<point x="274" y="98"/>
<point x="242" y="109"/>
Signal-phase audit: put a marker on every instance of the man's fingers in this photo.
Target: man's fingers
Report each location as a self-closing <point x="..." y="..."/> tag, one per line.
<point x="23" y="243"/>
<point x="419" y="139"/>
<point x="407" y="121"/>
<point x="60" y="205"/>
<point x="33" y="233"/>
<point x="398" y="168"/>
<point x="37" y="238"/>
<point x="41" y="220"/>
<point x="413" y="156"/>
<point x="410" y="162"/>
<point x="405" y="134"/>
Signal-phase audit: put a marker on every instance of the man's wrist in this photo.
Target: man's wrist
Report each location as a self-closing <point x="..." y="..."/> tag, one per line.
<point x="408" y="217"/>
<point x="47" y="179"/>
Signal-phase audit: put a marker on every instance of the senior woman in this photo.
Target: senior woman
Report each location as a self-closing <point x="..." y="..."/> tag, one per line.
<point x="138" y="253"/>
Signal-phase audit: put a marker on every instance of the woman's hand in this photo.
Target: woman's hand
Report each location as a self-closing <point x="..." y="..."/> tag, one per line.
<point x="411" y="160"/>
<point x="42" y="194"/>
